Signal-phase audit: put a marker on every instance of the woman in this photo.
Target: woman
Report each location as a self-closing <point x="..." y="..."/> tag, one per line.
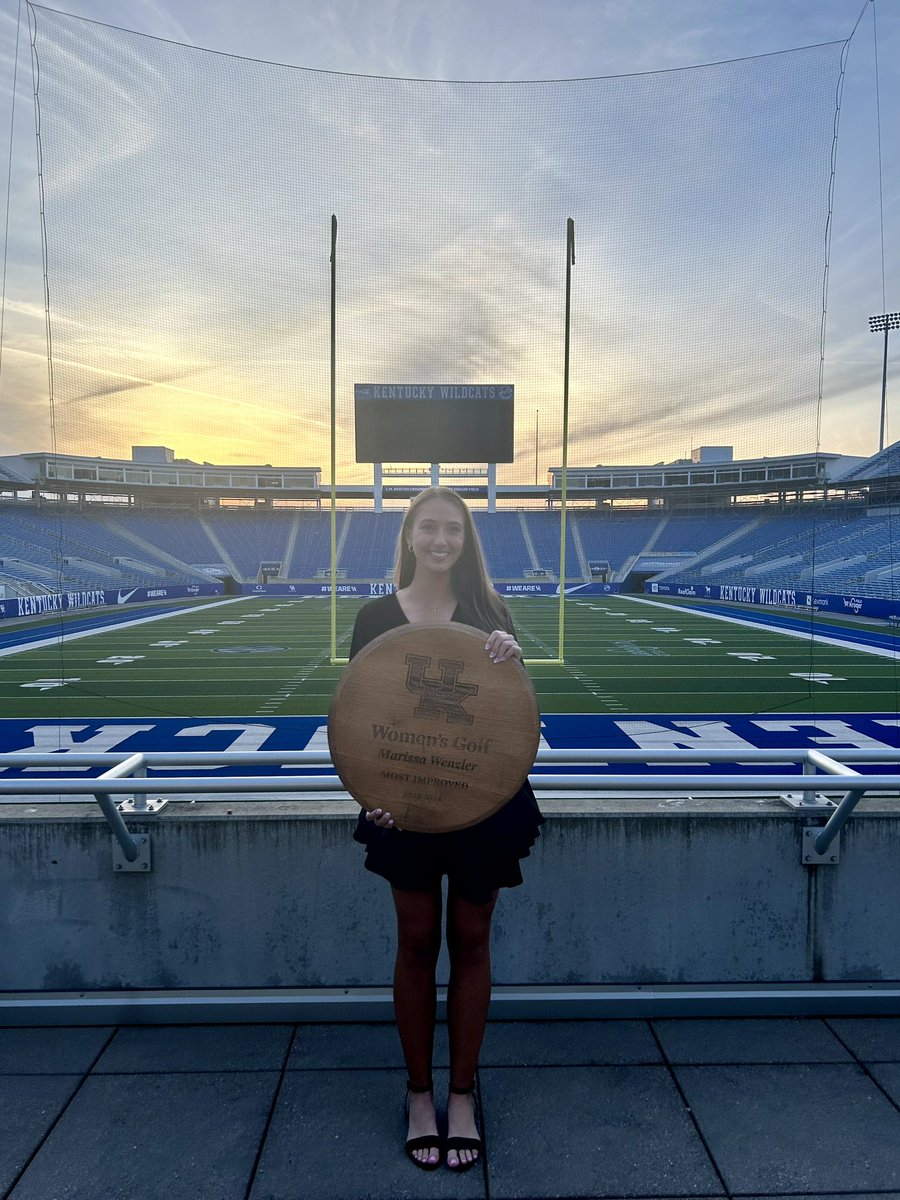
<point x="440" y="576"/>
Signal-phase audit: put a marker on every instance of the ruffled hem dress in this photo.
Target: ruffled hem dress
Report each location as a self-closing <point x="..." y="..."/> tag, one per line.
<point x="478" y="860"/>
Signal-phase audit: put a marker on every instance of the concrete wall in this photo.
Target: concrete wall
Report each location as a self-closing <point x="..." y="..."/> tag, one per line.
<point x="617" y="891"/>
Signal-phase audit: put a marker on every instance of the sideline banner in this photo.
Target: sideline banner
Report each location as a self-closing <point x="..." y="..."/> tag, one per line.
<point x="37" y="606"/>
<point x="777" y="597"/>
<point x="368" y="590"/>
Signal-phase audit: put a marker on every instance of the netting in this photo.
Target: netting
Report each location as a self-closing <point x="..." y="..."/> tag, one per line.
<point x="188" y="197"/>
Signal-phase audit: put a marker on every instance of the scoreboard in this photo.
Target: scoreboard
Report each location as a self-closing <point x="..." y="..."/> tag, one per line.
<point x="434" y="422"/>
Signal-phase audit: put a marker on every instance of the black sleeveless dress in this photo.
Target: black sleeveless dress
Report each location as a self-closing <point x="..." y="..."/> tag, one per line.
<point x="478" y="860"/>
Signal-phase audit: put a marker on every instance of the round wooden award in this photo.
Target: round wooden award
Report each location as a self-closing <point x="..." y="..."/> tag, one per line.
<point x="424" y="725"/>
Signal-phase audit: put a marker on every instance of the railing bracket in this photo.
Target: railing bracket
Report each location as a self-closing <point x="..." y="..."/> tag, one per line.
<point x="142" y="805"/>
<point x="810" y="856"/>
<point x="806" y="800"/>
<point x="141" y="864"/>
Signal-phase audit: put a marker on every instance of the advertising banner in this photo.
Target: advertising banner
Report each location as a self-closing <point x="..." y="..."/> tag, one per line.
<point x="778" y="597"/>
<point x="368" y="590"/>
<point x="37" y="606"/>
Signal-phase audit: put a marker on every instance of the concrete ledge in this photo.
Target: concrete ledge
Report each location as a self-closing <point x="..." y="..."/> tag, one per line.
<point x="620" y="893"/>
<point x="323" y="1005"/>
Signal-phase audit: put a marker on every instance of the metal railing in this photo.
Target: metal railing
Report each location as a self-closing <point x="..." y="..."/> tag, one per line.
<point x="127" y="774"/>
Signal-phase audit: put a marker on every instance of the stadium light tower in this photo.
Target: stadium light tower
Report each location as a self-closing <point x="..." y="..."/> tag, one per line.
<point x="884" y="323"/>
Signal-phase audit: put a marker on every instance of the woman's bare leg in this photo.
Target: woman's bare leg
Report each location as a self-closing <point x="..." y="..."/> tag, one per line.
<point x="468" y="997"/>
<point x="415" y="1002"/>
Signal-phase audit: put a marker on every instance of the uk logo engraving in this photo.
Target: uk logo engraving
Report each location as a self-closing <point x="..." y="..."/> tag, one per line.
<point x="441" y="695"/>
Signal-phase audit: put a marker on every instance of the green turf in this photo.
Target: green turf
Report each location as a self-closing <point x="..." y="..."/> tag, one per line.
<point x="622" y="656"/>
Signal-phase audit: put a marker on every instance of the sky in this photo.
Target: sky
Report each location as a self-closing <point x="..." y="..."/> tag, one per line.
<point x="652" y="379"/>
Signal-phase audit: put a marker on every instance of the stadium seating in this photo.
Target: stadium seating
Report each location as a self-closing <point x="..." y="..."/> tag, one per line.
<point x="885" y="464"/>
<point x="835" y="548"/>
<point x="504" y="539"/>
<point x="83" y="549"/>
<point x="369" y="544"/>
<point x="831" y="551"/>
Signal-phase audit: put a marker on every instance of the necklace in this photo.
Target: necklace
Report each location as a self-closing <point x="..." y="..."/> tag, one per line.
<point x="440" y="610"/>
<point x="425" y="609"/>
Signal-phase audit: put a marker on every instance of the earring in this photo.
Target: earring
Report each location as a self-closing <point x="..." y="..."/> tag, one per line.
<point x="409" y="547"/>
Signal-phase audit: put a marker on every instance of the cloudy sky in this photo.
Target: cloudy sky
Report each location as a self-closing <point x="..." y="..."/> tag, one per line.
<point x="188" y="193"/>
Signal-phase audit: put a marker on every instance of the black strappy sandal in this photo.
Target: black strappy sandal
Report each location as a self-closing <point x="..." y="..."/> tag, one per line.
<point x="426" y="1141"/>
<point x="465" y="1143"/>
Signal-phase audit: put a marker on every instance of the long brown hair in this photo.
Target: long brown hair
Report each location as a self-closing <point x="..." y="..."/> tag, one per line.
<point x="479" y="603"/>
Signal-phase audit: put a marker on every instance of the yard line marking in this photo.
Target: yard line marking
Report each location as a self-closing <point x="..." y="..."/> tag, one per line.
<point x="61" y="636"/>
<point x="291" y="685"/>
<point x="702" y="641"/>
<point x="825" y="639"/>
<point x="168" y="645"/>
<point x="818" y="677"/>
<point x="751" y="656"/>
<point x="45" y="684"/>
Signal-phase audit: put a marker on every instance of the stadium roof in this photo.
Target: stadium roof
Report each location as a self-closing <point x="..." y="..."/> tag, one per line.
<point x="884" y="465"/>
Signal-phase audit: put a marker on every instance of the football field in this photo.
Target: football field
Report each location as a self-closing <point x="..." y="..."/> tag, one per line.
<point x="267" y="656"/>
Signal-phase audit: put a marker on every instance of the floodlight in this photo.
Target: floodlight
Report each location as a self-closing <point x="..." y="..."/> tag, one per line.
<point x="883" y="323"/>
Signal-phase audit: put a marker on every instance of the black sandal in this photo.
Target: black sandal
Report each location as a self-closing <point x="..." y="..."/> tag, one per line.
<point x="426" y="1141"/>
<point x="465" y="1143"/>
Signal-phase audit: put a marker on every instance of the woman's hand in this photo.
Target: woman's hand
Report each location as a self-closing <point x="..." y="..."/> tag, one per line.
<point x="502" y="645"/>
<point x="382" y="819"/>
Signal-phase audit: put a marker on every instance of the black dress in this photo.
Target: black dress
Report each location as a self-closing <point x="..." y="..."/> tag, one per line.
<point x="476" y="860"/>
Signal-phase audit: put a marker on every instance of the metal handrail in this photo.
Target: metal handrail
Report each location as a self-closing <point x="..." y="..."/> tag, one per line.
<point x="313" y="758"/>
<point x="822" y="773"/>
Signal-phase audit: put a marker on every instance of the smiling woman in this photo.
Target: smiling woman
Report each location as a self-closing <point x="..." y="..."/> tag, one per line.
<point x="441" y="577"/>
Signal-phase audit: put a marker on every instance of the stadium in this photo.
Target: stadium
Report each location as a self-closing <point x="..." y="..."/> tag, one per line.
<point x="668" y="269"/>
<point x="766" y="584"/>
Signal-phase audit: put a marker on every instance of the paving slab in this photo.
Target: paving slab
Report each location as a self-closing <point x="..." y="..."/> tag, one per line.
<point x="590" y="1131"/>
<point x="145" y="1137"/>
<point x="339" y="1135"/>
<point x="888" y="1075"/>
<point x="168" y="1048"/>
<point x="796" y="1128"/>
<point x="873" y="1039"/>
<point x="568" y="1043"/>
<point x="366" y="1045"/>
<point x="29" y="1105"/>
<point x="765" y="1040"/>
<point x="50" y="1051"/>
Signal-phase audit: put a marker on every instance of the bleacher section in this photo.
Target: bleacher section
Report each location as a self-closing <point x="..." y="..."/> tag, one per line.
<point x="615" y="539"/>
<point x="841" y="548"/>
<point x="682" y="534"/>
<point x="175" y="534"/>
<point x="503" y="540"/>
<point x="311" y="552"/>
<point x="370" y="545"/>
<point x="543" y="530"/>
<point x="249" y="539"/>
<point x="841" y="551"/>
<point x="884" y="465"/>
<point x="70" y="550"/>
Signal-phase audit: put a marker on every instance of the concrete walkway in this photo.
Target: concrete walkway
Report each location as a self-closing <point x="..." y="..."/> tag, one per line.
<point x="667" y="1108"/>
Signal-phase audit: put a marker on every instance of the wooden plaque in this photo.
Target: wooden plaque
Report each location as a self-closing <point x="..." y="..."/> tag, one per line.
<point x="424" y="725"/>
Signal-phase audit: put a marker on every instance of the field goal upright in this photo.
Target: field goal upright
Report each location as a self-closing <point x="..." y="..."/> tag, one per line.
<point x="465" y="422"/>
